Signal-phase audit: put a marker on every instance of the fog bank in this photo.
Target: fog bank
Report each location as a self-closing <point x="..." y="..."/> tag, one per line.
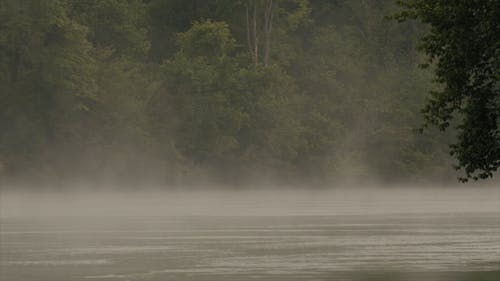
<point x="260" y="202"/>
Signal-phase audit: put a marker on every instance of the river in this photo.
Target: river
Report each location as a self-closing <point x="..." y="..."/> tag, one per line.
<point x="394" y="234"/>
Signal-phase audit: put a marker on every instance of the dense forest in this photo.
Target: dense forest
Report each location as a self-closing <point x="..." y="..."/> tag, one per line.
<point x="178" y="91"/>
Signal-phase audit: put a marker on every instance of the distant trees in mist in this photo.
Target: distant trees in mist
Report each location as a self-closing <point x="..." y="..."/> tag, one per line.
<point x="172" y="90"/>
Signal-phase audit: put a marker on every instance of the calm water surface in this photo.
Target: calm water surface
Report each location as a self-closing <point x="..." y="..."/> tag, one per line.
<point x="320" y="237"/>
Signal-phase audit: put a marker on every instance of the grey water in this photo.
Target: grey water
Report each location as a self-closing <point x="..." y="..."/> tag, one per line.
<point x="395" y="234"/>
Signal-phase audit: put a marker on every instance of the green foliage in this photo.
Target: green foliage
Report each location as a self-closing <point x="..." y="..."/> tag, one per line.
<point x="173" y="90"/>
<point x="207" y="39"/>
<point x="47" y="83"/>
<point x="116" y="24"/>
<point x="217" y="107"/>
<point x="463" y="44"/>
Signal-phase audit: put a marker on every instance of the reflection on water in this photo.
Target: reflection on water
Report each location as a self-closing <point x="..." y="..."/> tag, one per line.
<point x="397" y="245"/>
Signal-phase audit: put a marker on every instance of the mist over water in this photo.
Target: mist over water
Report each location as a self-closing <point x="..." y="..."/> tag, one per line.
<point x="195" y="140"/>
<point x="355" y="233"/>
<point x="352" y="200"/>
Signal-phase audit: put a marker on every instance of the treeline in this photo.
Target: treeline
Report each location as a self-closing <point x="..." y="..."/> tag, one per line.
<point x="179" y="90"/>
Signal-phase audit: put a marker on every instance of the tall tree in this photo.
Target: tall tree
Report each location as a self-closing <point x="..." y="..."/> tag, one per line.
<point x="463" y="45"/>
<point x="46" y="78"/>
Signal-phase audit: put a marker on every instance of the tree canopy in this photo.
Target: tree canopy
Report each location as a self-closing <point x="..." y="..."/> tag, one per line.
<point x="175" y="91"/>
<point x="463" y="45"/>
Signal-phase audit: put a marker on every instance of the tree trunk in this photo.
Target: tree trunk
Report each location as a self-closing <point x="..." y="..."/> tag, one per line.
<point x="252" y="35"/>
<point x="255" y="36"/>
<point x="249" y="40"/>
<point x="268" y="28"/>
<point x="14" y="68"/>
